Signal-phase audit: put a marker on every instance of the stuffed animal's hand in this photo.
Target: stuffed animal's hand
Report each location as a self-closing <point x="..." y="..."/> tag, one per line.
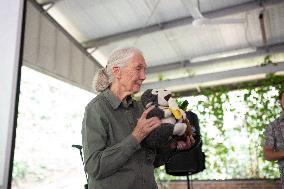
<point x="169" y="120"/>
<point x="181" y="134"/>
<point x="179" y="129"/>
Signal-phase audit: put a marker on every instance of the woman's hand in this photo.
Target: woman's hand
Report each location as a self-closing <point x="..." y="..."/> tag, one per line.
<point x="181" y="145"/>
<point x="145" y="126"/>
<point x="184" y="145"/>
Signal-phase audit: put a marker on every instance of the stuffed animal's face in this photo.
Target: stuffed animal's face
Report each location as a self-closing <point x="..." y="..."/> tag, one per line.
<point x="163" y="96"/>
<point x="156" y="96"/>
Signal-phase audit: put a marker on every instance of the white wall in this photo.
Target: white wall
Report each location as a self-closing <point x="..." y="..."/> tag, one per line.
<point x="10" y="33"/>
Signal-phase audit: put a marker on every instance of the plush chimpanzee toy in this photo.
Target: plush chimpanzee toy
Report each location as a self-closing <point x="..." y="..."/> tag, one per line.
<point x="174" y="125"/>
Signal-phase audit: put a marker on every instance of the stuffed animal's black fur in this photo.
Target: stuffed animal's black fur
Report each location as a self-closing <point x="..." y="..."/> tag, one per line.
<point x="162" y="134"/>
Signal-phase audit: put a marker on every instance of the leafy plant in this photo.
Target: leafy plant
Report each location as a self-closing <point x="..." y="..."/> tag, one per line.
<point x="243" y="158"/>
<point x="20" y="170"/>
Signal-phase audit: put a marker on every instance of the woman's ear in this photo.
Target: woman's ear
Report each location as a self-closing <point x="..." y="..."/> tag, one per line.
<point x="116" y="72"/>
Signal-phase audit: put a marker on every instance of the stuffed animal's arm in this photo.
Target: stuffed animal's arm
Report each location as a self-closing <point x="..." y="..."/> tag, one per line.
<point x="156" y="112"/>
<point x="170" y="120"/>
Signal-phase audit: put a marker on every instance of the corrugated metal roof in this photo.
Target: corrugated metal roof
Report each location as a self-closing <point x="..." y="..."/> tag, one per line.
<point x="49" y="50"/>
<point x="163" y="30"/>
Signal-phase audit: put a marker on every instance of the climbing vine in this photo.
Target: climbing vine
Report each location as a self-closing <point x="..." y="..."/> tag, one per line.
<point x="232" y="122"/>
<point x="259" y="100"/>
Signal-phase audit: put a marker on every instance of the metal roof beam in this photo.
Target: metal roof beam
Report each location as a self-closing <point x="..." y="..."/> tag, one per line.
<point x="261" y="51"/>
<point x="46" y="2"/>
<point x="177" y="23"/>
<point x="231" y="86"/>
<point x="191" y="82"/>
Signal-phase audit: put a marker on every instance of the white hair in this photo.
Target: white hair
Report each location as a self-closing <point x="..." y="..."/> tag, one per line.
<point x="104" y="77"/>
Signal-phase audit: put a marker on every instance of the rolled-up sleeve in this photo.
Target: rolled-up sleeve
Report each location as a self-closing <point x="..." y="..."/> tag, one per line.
<point x="102" y="159"/>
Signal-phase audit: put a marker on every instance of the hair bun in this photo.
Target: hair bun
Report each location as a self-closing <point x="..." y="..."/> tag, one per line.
<point x="101" y="81"/>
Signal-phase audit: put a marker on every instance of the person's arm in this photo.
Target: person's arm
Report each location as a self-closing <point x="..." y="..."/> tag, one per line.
<point x="270" y="154"/>
<point x="269" y="151"/>
<point x="145" y="126"/>
<point x="102" y="160"/>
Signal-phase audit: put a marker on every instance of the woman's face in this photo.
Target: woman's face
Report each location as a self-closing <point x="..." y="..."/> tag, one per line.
<point x="133" y="74"/>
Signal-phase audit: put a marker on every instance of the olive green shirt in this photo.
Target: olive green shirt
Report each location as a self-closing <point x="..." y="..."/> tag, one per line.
<point x="113" y="158"/>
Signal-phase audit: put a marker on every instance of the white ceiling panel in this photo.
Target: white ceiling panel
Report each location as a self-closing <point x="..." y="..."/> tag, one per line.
<point x="171" y="39"/>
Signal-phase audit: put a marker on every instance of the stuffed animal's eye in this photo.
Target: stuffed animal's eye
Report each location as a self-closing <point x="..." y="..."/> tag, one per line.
<point x="155" y="92"/>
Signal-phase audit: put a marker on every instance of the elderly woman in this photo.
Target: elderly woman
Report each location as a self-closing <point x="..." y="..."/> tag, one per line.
<point x="114" y="125"/>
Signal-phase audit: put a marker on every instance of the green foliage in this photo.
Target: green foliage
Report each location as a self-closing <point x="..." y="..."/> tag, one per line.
<point x="20" y="170"/>
<point x="261" y="108"/>
<point x="161" y="77"/>
<point x="182" y="104"/>
<point x="242" y="158"/>
<point x="190" y="73"/>
<point x="267" y="60"/>
<point x="161" y="176"/>
<point x="40" y="172"/>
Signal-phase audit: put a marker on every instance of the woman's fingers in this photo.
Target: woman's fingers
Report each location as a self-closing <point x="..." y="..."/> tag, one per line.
<point x="145" y="126"/>
<point x="184" y="145"/>
<point x="153" y="122"/>
<point x="145" y="113"/>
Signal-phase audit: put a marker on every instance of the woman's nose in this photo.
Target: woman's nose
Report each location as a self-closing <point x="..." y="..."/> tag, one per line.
<point x="142" y="75"/>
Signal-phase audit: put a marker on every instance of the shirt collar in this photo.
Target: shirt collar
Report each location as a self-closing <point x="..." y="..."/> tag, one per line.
<point x="129" y="101"/>
<point x="114" y="101"/>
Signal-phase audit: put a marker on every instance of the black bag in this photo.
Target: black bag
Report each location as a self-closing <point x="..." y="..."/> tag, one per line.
<point x="191" y="161"/>
<point x="187" y="162"/>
